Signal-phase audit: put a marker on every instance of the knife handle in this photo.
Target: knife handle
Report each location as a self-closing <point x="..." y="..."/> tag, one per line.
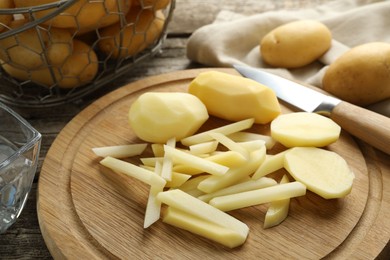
<point x="371" y="127"/>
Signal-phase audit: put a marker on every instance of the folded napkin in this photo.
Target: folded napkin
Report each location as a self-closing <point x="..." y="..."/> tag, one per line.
<point x="234" y="39"/>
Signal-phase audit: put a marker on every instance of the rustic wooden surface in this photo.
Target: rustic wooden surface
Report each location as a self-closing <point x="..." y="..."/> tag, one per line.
<point x="101" y="214"/>
<point x="24" y="240"/>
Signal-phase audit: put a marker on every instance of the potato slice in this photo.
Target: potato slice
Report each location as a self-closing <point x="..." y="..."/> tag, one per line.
<point x="259" y="196"/>
<point x="277" y="210"/>
<point x="202" y="227"/>
<point x="323" y="172"/>
<point x="304" y="129"/>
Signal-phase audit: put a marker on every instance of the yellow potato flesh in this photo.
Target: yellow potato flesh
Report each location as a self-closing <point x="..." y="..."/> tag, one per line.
<point x="277" y="210"/>
<point x="234" y="174"/>
<point x="240" y="187"/>
<point x="304" y="129"/>
<point x="226" y="130"/>
<point x="193" y="206"/>
<point x="259" y="196"/>
<point x="271" y="164"/>
<point x="323" y="172"/>
<point x="157" y="117"/>
<point x="234" y="97"/>
<point x="202" y="227"/>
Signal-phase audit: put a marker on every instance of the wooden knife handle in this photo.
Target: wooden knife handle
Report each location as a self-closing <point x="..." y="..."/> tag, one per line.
<point x="371" y="127"/>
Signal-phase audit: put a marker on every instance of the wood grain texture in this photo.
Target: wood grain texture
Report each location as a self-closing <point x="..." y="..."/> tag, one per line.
<point x="84" y="212"/>
<point x="366" y="125"/>
<point x="24" y="240"/>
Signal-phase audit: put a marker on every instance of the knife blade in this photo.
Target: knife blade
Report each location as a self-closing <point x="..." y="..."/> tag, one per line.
<point x="371" y="127"/>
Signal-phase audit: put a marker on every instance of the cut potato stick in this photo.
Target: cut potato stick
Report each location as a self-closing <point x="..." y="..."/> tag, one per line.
<point x="203" y="148"/>
<point x="202" y="227"/>
<point x="195" y="162"/>
<point x="226" y="130"/>
<point x="277" y="210"/>
<point x="271" y="164"/>
<point x="153" y="206"/>
<point x="259" y="196"/>
<point x="253" y="145"/>
<point x="240" y="187"/>
<point x="182" y="168"/>
<point x="151" y="161"/>
<point x="193" y="206"/>
<point x="158" y="150"/>
<point x="228" y="158"/>
<point x="191" y="186"/>
<point x="120" y="151"/>
<point x="234" y="175"/>
<point x="246" y="137"/>
<point x="134" y="171"/>
<point x="178" y="178"/>
<point x="166" y="170"/>
<point x="230" y="144"/>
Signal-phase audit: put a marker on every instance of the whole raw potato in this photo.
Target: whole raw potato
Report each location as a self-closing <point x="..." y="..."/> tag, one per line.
<point x="158" y="116"/>
<point x="78" y="69"/>
<point x="295" y="44"/>
<point x="361" y="76"/>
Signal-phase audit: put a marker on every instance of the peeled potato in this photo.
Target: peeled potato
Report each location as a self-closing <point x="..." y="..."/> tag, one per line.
<point x="323" y="172"/>
<point x="234" y="97"/>
<point x="361" y="75"/>
<point x="144" y="27"/>
<point x="304" y="129"/>
<point x="25" y="49"/>
<point x="78" y="69"/>
<point x="157" y="117"/>
<point x="295" y="44"/>
<point x="82" y="15"/>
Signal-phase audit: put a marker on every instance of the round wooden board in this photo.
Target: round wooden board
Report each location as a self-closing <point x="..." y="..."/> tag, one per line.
<point x="85" y="213"/>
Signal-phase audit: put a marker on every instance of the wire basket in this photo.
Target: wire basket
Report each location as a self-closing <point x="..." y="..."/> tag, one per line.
<point x="60" y="51"/>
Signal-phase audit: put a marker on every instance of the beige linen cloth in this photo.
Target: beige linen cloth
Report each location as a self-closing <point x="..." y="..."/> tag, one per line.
<point x="234" y="39"/>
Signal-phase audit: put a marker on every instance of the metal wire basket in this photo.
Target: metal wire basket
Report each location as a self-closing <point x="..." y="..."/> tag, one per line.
<point x="58" y="52"/>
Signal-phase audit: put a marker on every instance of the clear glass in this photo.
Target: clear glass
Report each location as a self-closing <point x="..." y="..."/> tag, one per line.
<point x="19" y="151"/>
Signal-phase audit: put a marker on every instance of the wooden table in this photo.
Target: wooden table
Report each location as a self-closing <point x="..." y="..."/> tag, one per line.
<point x="24" y="240"/>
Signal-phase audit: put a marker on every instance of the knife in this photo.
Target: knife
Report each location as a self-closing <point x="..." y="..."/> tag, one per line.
<point x="371" y="127"/>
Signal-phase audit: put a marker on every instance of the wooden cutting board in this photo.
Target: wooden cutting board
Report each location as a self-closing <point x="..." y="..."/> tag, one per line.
<point x="84" y="214"/>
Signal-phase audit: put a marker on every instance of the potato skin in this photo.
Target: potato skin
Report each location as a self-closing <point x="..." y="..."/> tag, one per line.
<point x="84" y="15"/>
<point x="78" y="69"/>
<point x="25" y="49"/>
<point x="144" y="27"/>
<point x="295" y="44"/>
<point x="361" y="75"/>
